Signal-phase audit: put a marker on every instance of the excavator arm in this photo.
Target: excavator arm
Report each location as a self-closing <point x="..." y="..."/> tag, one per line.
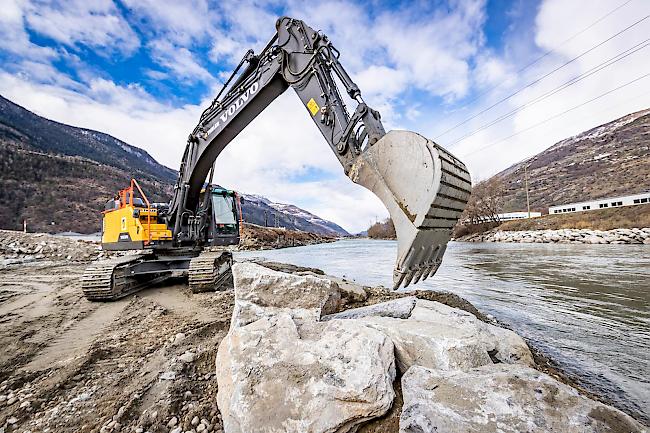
<point x="423" y="187"/>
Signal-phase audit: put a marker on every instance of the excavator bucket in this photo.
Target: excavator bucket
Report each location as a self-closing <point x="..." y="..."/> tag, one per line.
<point x="425" y="190"/>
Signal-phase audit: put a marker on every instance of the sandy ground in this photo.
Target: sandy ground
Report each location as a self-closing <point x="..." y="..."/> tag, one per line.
<point x="68" y="364"/>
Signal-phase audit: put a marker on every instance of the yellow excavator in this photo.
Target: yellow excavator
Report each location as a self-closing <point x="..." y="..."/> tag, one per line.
<point x="423" y="186"/>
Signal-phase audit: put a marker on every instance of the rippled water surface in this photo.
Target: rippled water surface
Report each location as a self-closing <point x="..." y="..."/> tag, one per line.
<point x="588" y="306"/>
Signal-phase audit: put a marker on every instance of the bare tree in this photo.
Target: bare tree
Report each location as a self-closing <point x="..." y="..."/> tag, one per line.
<point x="483" y="208"/>
<point x="382" y="230"/>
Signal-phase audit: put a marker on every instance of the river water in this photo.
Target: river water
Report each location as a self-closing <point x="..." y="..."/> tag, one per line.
<point x="587" y="306"/>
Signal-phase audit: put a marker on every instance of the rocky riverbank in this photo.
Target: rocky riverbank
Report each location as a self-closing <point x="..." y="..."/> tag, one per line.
<point x="296" y="358"/>
<point x="18" y="247"/>
<point x="256" y="237"/>
<point x="290" y="350"/>
<point x="563" y="236"/>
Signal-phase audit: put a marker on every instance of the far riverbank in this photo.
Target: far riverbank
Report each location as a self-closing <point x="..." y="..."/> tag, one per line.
<point x="563" y="236"/>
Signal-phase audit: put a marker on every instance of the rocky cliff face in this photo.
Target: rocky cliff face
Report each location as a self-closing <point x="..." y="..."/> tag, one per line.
<point x="609" y="160"/>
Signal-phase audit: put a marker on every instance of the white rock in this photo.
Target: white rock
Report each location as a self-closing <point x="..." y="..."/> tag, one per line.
<point x="168" y="375"/>
<point x="503" y="398"/>
<point x="187" y="357"/>
<point x="261" y="292"/>
<point x="441" y="337"/>
<point x="195" y="421"/>
<point x="595" y="240"/>
<point x="172" y="422"/>
<point x="398" y="308"/>
<point x="280" y="374"/>
<point x="13" y="420"/>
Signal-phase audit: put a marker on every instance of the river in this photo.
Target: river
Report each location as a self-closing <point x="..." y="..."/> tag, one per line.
<point x="587" y="306"/>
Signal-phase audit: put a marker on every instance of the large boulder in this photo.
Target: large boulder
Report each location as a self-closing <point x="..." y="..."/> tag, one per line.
<point x="262" y="292"/>
<point x="279" y="374"/>
<point x="501" y="398"/>
<point x="441" y="337"/>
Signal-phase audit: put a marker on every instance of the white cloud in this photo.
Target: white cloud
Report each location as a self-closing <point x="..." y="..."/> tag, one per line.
<point x="181" y="22"/>
<point x="179" y="61"/>
<point x="93" y="23"/>
<point x="14" y="37"/>
<point x="434" y="50"/>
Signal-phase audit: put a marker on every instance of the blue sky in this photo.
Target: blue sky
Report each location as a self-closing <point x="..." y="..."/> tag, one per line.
<point x="144" y="70"/>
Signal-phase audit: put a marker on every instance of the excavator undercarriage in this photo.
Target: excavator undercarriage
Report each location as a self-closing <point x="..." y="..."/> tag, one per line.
<point x="112" y="279"/>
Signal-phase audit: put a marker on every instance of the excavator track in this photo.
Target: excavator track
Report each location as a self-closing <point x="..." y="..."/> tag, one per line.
<point x="108" y="280"/>
<point x="209" y="271"/>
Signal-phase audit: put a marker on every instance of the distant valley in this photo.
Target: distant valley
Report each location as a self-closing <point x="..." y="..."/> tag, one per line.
<point x="58" y="177"/>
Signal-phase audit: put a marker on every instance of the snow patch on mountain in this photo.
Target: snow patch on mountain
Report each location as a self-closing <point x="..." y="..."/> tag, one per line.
<point x="260" y="210"/>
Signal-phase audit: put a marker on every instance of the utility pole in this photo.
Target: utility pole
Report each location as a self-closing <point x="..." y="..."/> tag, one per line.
<point x="266" y="220"/>
<point x="526" y="181"/>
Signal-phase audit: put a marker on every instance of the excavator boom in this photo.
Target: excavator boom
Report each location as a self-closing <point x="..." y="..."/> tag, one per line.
<point x="423" y="186"/>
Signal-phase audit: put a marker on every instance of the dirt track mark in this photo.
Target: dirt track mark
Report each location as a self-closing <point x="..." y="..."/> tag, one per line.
<point x="77" y="339"/>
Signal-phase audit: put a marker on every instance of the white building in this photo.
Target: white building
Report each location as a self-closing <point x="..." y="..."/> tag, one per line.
<point x="517" y="215"/>
<point x="628" y="200"/>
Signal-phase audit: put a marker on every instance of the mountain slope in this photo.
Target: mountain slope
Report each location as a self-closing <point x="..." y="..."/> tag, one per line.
<point x="20" y="125"/>
<point x="260" y="210"/>
<point x="609" y="160"/>
<point x="58" y="177"/>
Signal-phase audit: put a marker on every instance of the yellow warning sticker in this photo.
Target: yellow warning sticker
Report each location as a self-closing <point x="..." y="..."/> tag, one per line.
<point x="313" y="107"/>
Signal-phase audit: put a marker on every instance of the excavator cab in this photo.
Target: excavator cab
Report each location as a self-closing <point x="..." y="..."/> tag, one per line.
<point x="225" y="224"/>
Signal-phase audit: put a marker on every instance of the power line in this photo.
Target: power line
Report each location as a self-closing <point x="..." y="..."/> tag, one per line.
<point x="557" y="115"/>
<point x="544" y="76"/>
<point x="545" y="54"/>
<point x="569" y="83"/>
